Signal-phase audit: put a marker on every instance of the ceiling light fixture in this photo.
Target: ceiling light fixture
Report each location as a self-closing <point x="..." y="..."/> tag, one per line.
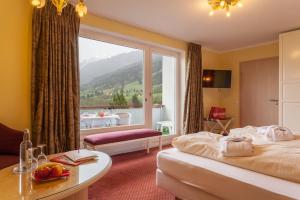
<point x="81" y="8"/>
<point x="224" y="5"/>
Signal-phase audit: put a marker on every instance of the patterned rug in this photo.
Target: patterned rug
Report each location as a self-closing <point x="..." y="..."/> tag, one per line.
<point x="132" y="177"/>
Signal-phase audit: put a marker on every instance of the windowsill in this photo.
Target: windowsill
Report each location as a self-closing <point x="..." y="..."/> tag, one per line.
<point x="92" y="131"/>
<point x="172" y="134"/>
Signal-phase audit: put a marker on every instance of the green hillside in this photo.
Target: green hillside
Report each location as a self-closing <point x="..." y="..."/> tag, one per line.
<point x="122" y="87"/>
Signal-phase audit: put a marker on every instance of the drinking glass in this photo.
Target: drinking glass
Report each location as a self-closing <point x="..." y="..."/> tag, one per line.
<point x="42" y="158"/>
<point x="32" y="161"/>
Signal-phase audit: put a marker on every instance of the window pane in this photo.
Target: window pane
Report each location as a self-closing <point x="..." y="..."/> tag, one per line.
<point x="163" y="93"/>
<point x="111" y="84"/>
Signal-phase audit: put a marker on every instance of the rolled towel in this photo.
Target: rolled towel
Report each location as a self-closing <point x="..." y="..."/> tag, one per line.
<point x="236" y="146"/>
<point x="279" y="133"/>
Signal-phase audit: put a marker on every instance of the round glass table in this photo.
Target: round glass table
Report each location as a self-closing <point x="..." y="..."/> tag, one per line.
<point x="75" y="187"/>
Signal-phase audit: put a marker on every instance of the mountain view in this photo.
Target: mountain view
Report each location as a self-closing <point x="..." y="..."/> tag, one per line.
<point x="118" y="81"/>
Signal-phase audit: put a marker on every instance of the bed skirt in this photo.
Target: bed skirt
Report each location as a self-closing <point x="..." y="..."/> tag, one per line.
<point x="181" y="190"/>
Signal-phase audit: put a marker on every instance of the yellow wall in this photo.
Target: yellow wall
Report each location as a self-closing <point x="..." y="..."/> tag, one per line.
<point x="15" y="48"/>
<point x="15" y="57"/>
<point x="128" y="30"/>
<point x="211" y="96"/>
<point x="231" y="60"/>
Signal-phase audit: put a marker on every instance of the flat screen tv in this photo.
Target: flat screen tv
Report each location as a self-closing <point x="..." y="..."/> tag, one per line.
<point x="216" y="78"/>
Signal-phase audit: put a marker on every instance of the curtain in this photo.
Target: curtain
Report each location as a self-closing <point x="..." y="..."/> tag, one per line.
<point x="55" y="79"/>
<point x="193" y="106"/>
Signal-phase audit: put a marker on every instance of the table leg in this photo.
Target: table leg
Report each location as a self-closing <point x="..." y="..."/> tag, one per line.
<point x="160" y="143"/>
<point x="148" y="145"/>
<point x="224" y="127"/>
<point x="211" y="128"/>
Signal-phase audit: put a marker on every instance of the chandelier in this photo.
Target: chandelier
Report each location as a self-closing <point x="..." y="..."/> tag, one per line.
<point x="223" y="5"/>
<point x="81" y="8"/>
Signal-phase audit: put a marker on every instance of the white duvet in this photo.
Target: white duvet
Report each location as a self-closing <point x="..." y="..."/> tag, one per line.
<point x="280" y="159"/>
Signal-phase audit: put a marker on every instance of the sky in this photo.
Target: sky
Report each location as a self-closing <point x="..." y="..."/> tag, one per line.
<point x="95" y="49"/>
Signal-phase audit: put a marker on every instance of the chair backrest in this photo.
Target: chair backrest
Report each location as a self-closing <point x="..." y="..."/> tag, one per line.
<point x="125" y="118"/>
<point x="10" y="140"/>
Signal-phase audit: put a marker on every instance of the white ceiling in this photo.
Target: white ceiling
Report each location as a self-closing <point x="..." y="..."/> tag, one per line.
<point x="258" y="21"/>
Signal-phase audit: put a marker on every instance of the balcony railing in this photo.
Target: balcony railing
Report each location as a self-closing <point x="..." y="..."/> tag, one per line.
<point x="104" y="107"/>
<point x="109" y="116"/>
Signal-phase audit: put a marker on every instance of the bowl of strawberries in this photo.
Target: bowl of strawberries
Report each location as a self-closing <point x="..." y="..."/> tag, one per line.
<point x="50" y="171"/>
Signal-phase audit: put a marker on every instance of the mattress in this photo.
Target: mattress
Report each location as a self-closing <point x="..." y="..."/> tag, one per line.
<point x="223" y="180"/>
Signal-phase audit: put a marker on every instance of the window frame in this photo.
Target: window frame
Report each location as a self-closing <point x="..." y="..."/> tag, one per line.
<point x="148" y="48"/>
<point x="175" y="55"/>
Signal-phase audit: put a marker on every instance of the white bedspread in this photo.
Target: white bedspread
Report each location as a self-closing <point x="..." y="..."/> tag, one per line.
<point x="280" y="159"/>
<point x="223" y="180"/>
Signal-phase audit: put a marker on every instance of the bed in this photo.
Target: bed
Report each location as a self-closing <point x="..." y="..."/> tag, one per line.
<point x="191" y="177"/>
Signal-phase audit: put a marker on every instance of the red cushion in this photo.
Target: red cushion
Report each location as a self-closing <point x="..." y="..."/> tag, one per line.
<point x="10" y="140"/>
<point x="118" y="136"/>
<point x="8" y="160"/>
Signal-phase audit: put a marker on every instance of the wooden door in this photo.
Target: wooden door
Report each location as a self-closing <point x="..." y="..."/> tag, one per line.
<point x="259" y="88"/>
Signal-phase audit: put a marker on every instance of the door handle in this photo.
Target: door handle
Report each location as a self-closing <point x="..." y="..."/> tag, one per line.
<point x="276" y="101"/>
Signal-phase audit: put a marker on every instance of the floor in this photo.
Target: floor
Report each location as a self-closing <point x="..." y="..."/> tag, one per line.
<point x="132" y="177"/>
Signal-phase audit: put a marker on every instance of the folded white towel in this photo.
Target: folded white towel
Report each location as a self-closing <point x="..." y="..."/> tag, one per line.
<point x="279" y="133"/>
<point x="236" y="146"/>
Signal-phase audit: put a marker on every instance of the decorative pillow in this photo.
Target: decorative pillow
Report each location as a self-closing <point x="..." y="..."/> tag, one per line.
<point x="10" y="140"/>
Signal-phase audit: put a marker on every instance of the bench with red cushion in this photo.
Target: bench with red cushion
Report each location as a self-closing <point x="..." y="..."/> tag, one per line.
<point x="120" y="136"/>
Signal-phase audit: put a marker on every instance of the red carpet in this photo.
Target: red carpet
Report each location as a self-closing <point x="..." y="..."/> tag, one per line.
<point x="132" y="177"/>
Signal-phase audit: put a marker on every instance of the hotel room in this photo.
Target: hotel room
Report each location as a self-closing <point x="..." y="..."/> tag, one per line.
<point x="150" y="100"/>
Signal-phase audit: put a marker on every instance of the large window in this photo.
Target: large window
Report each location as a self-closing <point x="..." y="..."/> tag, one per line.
<point x="119" y="89"/>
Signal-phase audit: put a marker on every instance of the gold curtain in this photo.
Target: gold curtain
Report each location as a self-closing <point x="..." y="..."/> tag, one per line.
<point x="55" y="79"/>
<point x="193" y="106"/>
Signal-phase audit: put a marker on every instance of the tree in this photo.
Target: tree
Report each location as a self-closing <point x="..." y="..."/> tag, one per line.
<point x="136" y="103"/>
<point x="119" y="99"/>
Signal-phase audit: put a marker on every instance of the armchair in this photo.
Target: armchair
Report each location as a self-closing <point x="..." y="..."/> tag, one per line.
<point x="10" y="140"/>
